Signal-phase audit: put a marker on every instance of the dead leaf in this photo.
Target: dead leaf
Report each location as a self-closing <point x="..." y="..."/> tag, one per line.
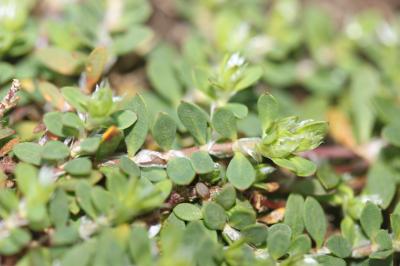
<point x="340" y="128"/>
<point x="52" y="95"/>
<point x="8" y="146"/>
<point x="273" y="217"/>
<point x="95" y="65"/>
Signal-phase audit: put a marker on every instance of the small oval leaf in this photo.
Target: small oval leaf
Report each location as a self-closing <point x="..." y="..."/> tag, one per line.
<point x="164" y="131"/>
<point x="181" y="171"/>
<point x="240" y="172"/>
<point x="315" y="220"/>
<point x="187" y="212"/>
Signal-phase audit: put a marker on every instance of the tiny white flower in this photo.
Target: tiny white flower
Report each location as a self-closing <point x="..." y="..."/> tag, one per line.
<point x="235" y="61"/>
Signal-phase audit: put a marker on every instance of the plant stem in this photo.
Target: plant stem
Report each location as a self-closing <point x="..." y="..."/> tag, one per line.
<point x="147" y="158"/>
<point x="363" y="251"/>
<point x="11" y="98"/>
<point x="367" y="249"/>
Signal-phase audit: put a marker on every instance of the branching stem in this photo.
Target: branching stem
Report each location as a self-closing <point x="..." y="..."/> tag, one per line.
<point x="147" y="158"/>
<point x="11" y="98"/>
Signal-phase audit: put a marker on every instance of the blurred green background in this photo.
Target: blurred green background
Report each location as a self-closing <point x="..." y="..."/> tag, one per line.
<point x="333" y="60"/>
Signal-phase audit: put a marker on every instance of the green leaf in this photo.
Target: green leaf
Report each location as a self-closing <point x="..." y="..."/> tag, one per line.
<point x="9" y="202"/>
<point x="240" y="172"/>
<point x="110" y="246"/>
<point x="124" y="118"/>
<point x="72" y="121"/>
<point x="267" y="108"/>
<point x="339" y="246"/>
<point x="239" y="110"/>
<point x="365" y="84"/>
<point x="202" y="162"/>
<point x="386" y="108"/>
<point x="226" y="197"/>
<point x="59" y="60"/>
<point x="128" y="42"/>
<point x="315" y="227"/>
<point x="311" y="134"/>
<point x="162" y="75"/>
<point x="154" y="174"/>
<point x="371" y="219"/>
<point x="181" y="171"/>
<point x="102" y="199"/>
<point x="381" y="182"/>
<point x="214" y="216"/>
<point x="90" y="145"/>
<point x="397" y="208"/>
<point x="294" y="213"/>
<point x="251" y="75"/>
<point x="224" y="122"/>
<point x="28" y="152"/>
<point x="395" y="224"/>
<point x="241" y="215"/>
<point x="187" y="212"/>
<point x="54" y="123"/>
<point x="382" y="257"/>
<point x="59" y="210"/>
<point x="280" y="74"/>
<point x="255" y="234"/>
<point x="278" y="241"/>
<point x="164" y="131"/>
<point x="79" y="255"/>
<point x="164" y="188"/>
<point x="54" y="151"/>
<point x="14" y="241"/>
<point x="136" y="135"/>
<point x="297" y="164"/>
<point x="326" y="260"/>
<point x="65" y="235"/>
<point x="326" y="175"/>
<point x="79" y="167"/>
<point x="7" y="72"/>
<point x="195" y="120"/>
<point x="75" y="98"/>
<point x="116" y="181"/>
<point x="100" y="104"/>
<point x="391" y="134"/>
<point x="140" y="246"/>
<point x="129" y="167"/>
<point x="349" y="229"/>
<point x="289" y="135"/>
<point x="83" y="191"/>
<point x="301" y="245"/>
<point x="384" y="240"/>
<point x="26" y="177"/>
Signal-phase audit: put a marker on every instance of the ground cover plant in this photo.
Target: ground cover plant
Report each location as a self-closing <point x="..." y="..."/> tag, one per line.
<point x="201" y="132"/>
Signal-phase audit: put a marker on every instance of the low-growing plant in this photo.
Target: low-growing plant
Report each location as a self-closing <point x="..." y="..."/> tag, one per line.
<point x="217" y="162"/>
<point x="91" y="191"/>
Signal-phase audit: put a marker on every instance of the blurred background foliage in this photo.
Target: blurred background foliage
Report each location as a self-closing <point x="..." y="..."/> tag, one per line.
<point x="344" y="70"/>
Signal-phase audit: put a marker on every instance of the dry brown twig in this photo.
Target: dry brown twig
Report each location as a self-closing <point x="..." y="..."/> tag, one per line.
<point x="11" y="98"/>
